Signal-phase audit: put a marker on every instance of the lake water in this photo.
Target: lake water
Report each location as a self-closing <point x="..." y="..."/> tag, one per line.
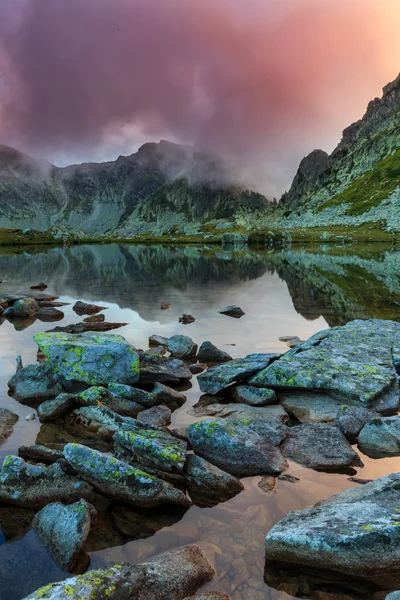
<point x="288" y="292"/>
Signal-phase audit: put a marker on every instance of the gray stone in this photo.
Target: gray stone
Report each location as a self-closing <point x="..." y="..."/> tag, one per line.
<point x="101" y="396"/>
<point x="263" y="414"/>
<point x="351" y="419"/>
<point x="34" y="486"/>
<point x="96" y="359"/>
<point x="219" y="377"/>
<point x="35" y="383"/>
<point x="175" y="574"/>
<point x="163" y="394"/>
<point x="162" y="370"/>
<point x="352" y="534"/>
<point x="182" y="346"/>
<point x="98" y="422"/>
<point x="40" y="453"/>
<point x="158" y="416"/>
<point x="310" y="407"/>
<point x="51" y="410"/>
<point x="48" y="314"/>
<point x="207" y="484"/>
<point x="7" y="422"/>
<point x="240" y="447"/>
<point x="158" y="340"/>
<point x="210" y="353"/>
<point x="210" y="596"/>
<point x="142" y="397"/>
<point x="247" y="394"/>
<point x="82" y="308"/>
<point x="232" y="311"/>
<point x="63" y="530"/>
<point x="381" y="436"/>
<point x="28" y="307"/>
<point x="121" y="481"/>
<point x="320" y="447"/>
<point x="354" y="363"/>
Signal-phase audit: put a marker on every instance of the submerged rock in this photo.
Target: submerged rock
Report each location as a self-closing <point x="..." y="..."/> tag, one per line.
<point x="7" y="422"/>
<point x="319" y="446"/>
<point x="207" y="484"/>
<point x="175" y="574"/>
<point x="351" y="419"/>
<point x="34" y="383"/>
<point x="159" y="369"/>
<point x="381" y="436"/>
<point x="310" y="407"/>
<point x="353" y="534"/>
<point x="82" y="308"/>
<point x="232" y="311"/>
<point x="95" y="359"/>
<point x="121" y="481"/>
<point x="240" y="447"/>
<point x="181" y="346"/>
<point x="51" y="410"/>
<point x="210" y="353"/>
<point x="63" y="530"/>
<point x="246" y="394"/>
<point x="158" y="416"/>
<point x="34" y="486"/>
<point x="219" y="377"/>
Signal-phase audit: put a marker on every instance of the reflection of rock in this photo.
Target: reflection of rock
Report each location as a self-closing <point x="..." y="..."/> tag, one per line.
<point x="7" y="422"/>
<point x="15" y="522"/>
<point x="141" y="524"/>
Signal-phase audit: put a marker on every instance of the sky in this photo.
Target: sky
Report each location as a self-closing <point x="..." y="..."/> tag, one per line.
<point x="259" y="82"/>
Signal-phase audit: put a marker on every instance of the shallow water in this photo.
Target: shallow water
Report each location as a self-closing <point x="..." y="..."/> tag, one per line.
<point x="288" y="292"/>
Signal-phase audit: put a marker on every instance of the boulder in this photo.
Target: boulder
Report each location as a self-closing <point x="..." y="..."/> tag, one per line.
<point x="63" y="530"/>
<point x="28" y="307"/>
<point x="247" y="394"/>
<point x="240" y="447"/>
<point x="207" y="484"/>
<point x="219" y="377"/>
<point x="98" y="422"/>
<point x="309" y="407"/>
<point x="232" y="311"/>
<point x="34" y="486"/>
<point x="95" y="359"/>
<point x="145" y="399"/>
<point x="7" y="422"/>
<point x="48" y="314"/>
<point x="381" y="436"/>
<point x="354" y="534"/>
<point x="175" y="574"/>
<point x="158" y="340"/>
<point x="82" y="308"/>
<point x="159" y="369"/>
<point x="40" y="453"/>
<point x="264" y="414"/>
<point x="101" y="396"/>
<point x="35" y="383"/>
<point x="351" y="419"/>
<point x="158" y="416"/>
<point x="121" y="481"/>
<point x="354" y="363"/>
<point x="163" y="394"/>
<point x="320" y="447"/>
<point x="181" y="346"/>
<point x="51" y="410"/>
<point x="210" y="353"/>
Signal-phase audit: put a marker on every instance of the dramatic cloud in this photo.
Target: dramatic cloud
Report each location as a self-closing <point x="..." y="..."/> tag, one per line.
<point x="261" y="81"/>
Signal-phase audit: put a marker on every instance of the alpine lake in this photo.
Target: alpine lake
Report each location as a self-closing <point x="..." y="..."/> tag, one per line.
<point x="296" y="291"/>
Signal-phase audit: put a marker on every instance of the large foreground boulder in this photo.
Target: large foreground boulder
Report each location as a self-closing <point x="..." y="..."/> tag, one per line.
<point x="121" y="481"/>
<point x="92" y="358"/>
<point x="355" y="363"/>
<point x="354" y="534"/>
<point x="172" y="575"/>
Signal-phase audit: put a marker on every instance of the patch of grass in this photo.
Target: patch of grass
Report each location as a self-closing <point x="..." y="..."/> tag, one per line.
<point x="15" y="237"/>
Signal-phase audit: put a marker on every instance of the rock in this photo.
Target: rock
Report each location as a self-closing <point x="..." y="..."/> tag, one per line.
<point x="95" y="319"/>
<point x="119" y="480"/>
<point x="352" y="534"/>
<point x="157" y="351"/>
<point x="288" y="477"/>
<point x="158" y="416"/>
<point x="7" y="422"/>
<point x="232" y="311"/>
<point x="159" y="369"/>
<point x="310" y="407"/>
<point x="51" y="410"/>
<point x="291" y="340"/>
<point x="94" y="359"/>
<point x="40" y="286"/>
<point x="39" y="297"/>
<point x="28" y="307"/>
<point x="39" y="453"/>
<point x="263" y="414"/>
<point x="52" y="304"/>
<point x="181" y="346"/>
<point x="210" y="596"/>
<point x="98" y="422"/>
<point x="267" y="484"/>
<point x="175" y="574"/>
<point x="381" y="436"/>
<point x="49" y="314"/>
<point x="163" y="394"/>
<point x="165" y="305"/>
<point x="155" y="450"/>
<point x="186" y="319"/>
<point x="35" y="383"/>
<point x="351" y="419"/>
<point x="77" y="328"/>
<point x="360" y="480"/>
<point x="320" y="447"/>
<point x="82" y="308"/>
<point x="158" y="340"/>
<point x="219" y="377"/>
<point x="178" y="432"/>
<point x="99" y="396"/>
<point x="240" y="447"/>
<point x="210" y="353"/>
<point x="63" y="530"/>
<point x="246" y="394"/>
<point x="34" y="486"/>
<point x="207" y="484"/>
<point x="30" y="417"/>
<point x="145" y="399"/>
<point x="354" y="363"/>
<point x="197" y="368"/>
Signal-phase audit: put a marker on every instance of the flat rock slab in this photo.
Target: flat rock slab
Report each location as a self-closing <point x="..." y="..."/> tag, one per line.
<point x="119" y="480"/>
<point x="34" y="383"/>
<point x="7" y="422"/>
<point x="176" y="574"/>
<point x="207" y="484"/>
<point x="264" y="414"/>
<point x="381" y="436"/>
<point x="247" y="394"/>
<point x="219" y="377"/>
<point x="51" y="410"/>
<point x="354" y="363"/>
<point x="158" y="416"/>
<point x="354" y="534"/>
<point x="241" y="447"/>
<point x="34" y="486"/>
<point x="95" y="359"/>
<point x="162" y="370"/>
<point x="77" y="328"/>
<point x="320" y="447"/>
<point x="308" y="407"/>
<point x="63" y="530"/>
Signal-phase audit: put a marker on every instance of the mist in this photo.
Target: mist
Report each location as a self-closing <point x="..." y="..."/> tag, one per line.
<point x="258" y="82"/>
